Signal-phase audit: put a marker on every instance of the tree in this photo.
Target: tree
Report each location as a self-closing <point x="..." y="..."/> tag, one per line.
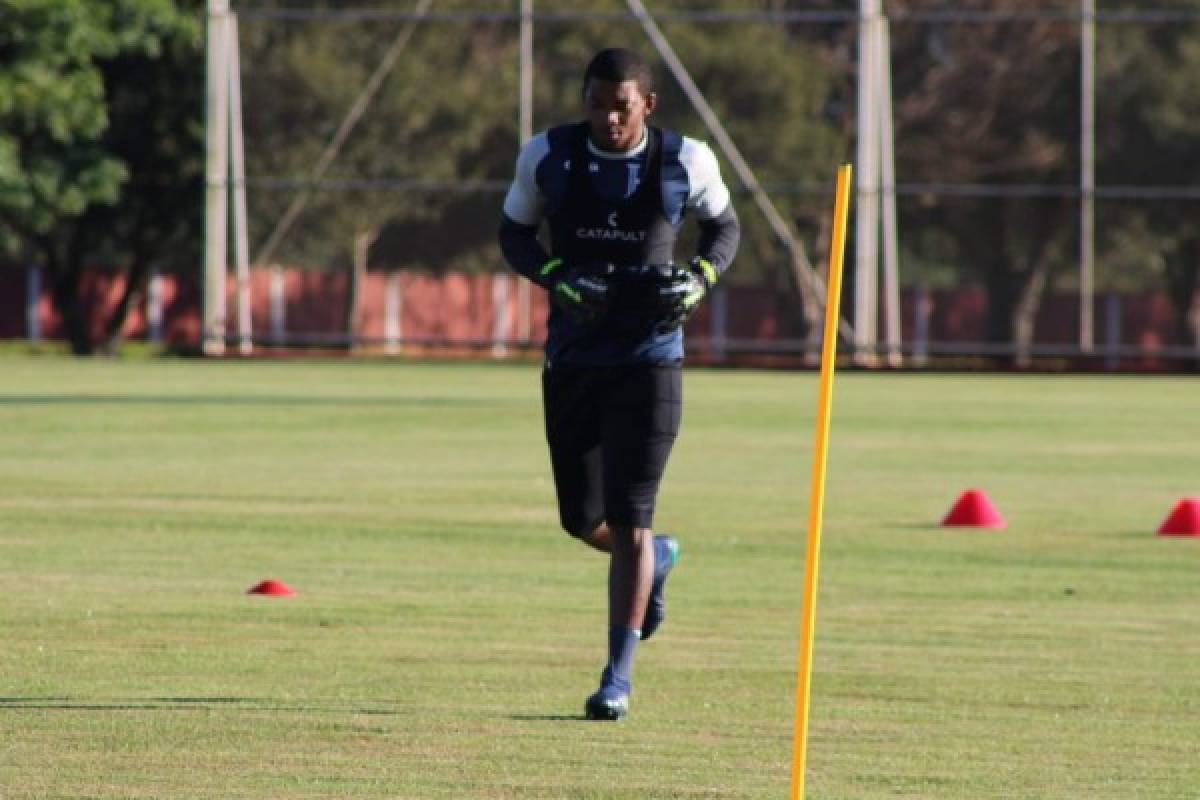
<point x="448" y="112"/>
<point x="992" y="103"/>
<point x="156" y="128"/>
<point x="443" y="114"/>
<point x="101" y="142"/>
<point x="1149" y="121"/>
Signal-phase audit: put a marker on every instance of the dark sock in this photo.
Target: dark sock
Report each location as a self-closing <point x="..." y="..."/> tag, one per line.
<point x="622" y="642"/>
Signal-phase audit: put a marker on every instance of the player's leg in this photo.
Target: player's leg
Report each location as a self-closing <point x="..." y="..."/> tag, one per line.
<point x="630" y="575"/>
<point x="573" y="405"/>
<point x="641" y="419"/>
<point x="574" y="440"/>
<point x="666" y="554"/>
<point x="653" y="417"/>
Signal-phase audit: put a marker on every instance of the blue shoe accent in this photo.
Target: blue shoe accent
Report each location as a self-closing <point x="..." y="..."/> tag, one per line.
<point x="666" y="554"/>
<point x="608" y="703"/>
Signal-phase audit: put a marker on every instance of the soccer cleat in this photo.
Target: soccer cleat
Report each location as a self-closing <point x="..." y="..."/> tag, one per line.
<point x="607" y="704"/>
<point x="666" y="553"/>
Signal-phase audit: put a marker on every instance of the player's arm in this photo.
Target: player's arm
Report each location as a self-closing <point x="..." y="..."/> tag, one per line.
<point x="718" y="244"/>
<point x="709" y="199"/>
<point x="524" y="253"/>
<point x="720" y="232"/>
<point x="524" y="206"/>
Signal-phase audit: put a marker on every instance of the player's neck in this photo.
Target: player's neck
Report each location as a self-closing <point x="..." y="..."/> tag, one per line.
<point x="637" y="149"/>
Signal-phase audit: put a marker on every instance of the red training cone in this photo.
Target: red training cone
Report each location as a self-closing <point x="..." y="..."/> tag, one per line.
<point x="272" y="588"/>
<point x="974" y="510"/>
<point x="1184" y="519"/>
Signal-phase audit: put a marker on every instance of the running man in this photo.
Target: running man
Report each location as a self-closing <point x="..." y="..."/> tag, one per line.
<point x="614" y="191"/>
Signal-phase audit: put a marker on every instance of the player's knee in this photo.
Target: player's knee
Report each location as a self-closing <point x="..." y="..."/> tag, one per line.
<point x="578" y="526"/>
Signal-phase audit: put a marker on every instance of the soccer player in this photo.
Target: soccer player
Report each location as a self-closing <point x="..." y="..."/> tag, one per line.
<point x="614" y="191"/>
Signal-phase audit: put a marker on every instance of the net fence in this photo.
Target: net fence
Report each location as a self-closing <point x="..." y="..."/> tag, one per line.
<point x="1044" y="168"/>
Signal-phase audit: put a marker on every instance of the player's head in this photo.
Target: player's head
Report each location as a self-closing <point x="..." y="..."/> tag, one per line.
<point x="618" y="95"/>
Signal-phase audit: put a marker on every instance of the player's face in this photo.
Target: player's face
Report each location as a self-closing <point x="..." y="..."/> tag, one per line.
<point x="616" y="112"/>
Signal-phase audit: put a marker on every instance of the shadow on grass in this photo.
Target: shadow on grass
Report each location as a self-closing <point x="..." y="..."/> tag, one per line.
<point x="968" y="530"/>
<point x="237" y="400"/>
<point x="548" y="717"/>
<point x="181" y="704"/>
<point x="1148" y="534"/>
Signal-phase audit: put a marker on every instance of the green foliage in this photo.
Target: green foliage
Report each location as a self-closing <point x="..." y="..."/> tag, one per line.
<point x="448" y="111"/>
<point x="998" y="103"/>
<point x="990" y="103"/>
<point x="444" y="113"/>
<point x="1149" y="121"/>
<point x="53" y="112"/>
<point x="52" y="115"/>
<point x="983" y="102"/>
<point x="156" y="129"/>
<point x="100" y="131"/>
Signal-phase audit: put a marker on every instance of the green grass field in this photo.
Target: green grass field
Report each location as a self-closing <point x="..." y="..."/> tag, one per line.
<point x="445" y="634"/>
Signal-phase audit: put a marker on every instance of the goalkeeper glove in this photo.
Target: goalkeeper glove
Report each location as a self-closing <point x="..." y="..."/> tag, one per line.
<point x="682" y="292"/>
<point x="583" y="294"/>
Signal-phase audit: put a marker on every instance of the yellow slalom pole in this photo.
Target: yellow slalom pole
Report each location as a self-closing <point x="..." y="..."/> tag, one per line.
<point x="837" y="250"/>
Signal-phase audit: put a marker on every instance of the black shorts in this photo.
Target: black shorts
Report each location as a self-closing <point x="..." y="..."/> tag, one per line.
<point x="610" y="431"/>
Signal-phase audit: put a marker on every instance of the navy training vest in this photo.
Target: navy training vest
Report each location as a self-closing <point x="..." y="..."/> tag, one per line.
<point x="587" y="228"/>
